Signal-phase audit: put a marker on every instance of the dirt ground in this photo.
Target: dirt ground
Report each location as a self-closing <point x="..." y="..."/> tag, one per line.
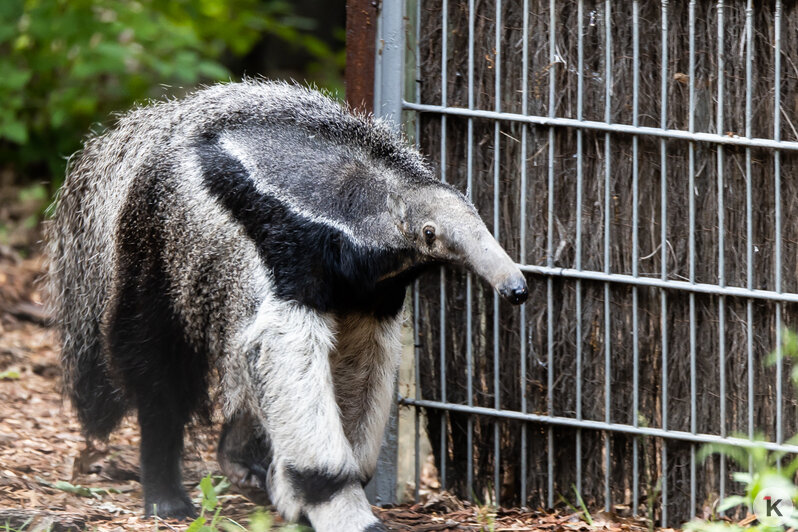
<point x="49" y="477"/>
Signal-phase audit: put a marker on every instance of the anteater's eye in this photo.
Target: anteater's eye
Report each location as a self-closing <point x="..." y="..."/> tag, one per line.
<point x="429" y="234"/>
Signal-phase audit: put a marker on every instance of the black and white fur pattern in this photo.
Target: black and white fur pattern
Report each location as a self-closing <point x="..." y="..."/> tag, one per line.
<point x="261" y="233"/>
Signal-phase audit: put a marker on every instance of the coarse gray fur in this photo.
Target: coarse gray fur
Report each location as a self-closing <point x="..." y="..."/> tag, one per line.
<point x="150" y="209"/>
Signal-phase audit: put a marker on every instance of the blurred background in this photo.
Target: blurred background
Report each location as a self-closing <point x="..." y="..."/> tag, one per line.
<point x="67" y="65"/>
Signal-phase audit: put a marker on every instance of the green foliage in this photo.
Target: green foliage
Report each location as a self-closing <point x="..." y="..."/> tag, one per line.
<point x="789" y="350"/>
<point x="699" y="525"/>
<point x="585" y="514"/>
<point x="767" y="468"/>
<point x="82" y="491"/>
<point x="66" y="64"/>
<point x="582" y="511"/>
<point x="9" y="375"/>
<point x="211" y="520"/>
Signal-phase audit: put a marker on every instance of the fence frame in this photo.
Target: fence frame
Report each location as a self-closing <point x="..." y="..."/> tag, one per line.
<point x="391" y="101"/>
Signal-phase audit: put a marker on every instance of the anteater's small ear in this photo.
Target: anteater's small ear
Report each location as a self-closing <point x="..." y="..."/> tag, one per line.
<point x="397" y="207"/>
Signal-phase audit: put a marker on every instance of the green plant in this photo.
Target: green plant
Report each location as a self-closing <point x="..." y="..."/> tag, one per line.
<point x="765" y="468"/>
<point x="9" y="375"/>
<point x="789" y="350"/>
<point x="209" y="504"/>
<point x="212" y="489"/>
<point x="81" y="491"/>
<point x="486" y="517"/>
<point x="7" y="527"/>
<point x="582" y="511"/>
<point x="766" y="471"/>
<point x="67" y="64"/>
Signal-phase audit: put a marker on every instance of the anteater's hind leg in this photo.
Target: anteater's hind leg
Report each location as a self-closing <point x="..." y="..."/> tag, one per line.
<point x="313" y="471"/>
<point x="161" y="453"/>
<point x="169" y="387"/>
<point x="364" y="368"/>
<point x="167" y="379"/>
<point x="244" y="455"/>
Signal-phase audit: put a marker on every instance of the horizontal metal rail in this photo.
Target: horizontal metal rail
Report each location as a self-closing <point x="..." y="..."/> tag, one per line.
<point x="599" y="425"/>
<point x="678" y="134"/>
<point x="656" y="282"/>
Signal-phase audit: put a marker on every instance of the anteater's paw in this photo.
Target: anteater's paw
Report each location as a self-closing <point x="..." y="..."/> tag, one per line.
<point x="252" y="477"/>
<point x="176" y="507"/>
<point x="250" y="481"/>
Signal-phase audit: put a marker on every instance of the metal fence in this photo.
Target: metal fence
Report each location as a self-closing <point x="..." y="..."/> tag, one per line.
<point x="598" y="180"/>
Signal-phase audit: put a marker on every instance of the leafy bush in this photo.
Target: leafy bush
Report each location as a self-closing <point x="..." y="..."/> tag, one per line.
<point x="66" y="64"/>
<point x="765" y="468"/>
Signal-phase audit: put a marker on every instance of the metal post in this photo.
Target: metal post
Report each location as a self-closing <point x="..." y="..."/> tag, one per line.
<point x="469" y="304"/>
<point x="550" y="255"/>
<point x="691" y="247"/>
<point x="721" y="255"/>
<point x="664" y="253"/>
<point x="578" y="259"/>
<point x="635" y="252"/>
<point x="607" y="256"/>
<point x="522" y="252"/>
<point x="361" y="37"/>
<point x="444" y="416"/>
<point x="389" y="67"/>
<point x="496" y="167"/>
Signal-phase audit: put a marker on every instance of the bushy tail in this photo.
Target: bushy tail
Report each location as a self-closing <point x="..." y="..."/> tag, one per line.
<point x="99" y="403"/>
<point x="79" y="260"/>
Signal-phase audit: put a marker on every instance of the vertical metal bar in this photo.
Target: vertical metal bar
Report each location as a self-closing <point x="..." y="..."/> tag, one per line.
<point x="607" y="256"/>
<point x="390" y="61"/>
<point x="389" y="69"/>
<point x="496" y="168"/>
<point x="691" y="246"/>
<point x="749" y="223"/>
<point x="550" y="256"/>
<point x="416" y="302"/>
<point x="721" y="253"/>
<point x="417" y="377"/>
<point x="522" y="252"/>
<point x="635" y="251"/>
<point x="663" y="154"/>
<point x="777" y="201"/>
<point x="444" y="415"/>
<point x="578" y="258"/>
<point x="444" y="59"/>
<point x="469" y="308"/>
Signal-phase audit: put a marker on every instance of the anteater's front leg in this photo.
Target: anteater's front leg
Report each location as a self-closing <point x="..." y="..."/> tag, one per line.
<point x="314" y="472"/>
<point x="364" y="369"/>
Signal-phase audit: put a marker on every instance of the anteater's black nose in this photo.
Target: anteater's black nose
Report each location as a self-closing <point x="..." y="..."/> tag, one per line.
<point x="515" y="292"/>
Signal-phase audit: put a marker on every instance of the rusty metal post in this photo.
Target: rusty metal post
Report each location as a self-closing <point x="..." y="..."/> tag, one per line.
<point x="361" y="39"/>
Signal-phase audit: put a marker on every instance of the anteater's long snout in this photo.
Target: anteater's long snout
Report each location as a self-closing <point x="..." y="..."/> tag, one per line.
<point x="489" y="260"/>
<point x="515" y="290"/>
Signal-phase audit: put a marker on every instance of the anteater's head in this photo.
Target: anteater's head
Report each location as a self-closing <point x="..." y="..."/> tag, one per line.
<point x="441" y="225"/>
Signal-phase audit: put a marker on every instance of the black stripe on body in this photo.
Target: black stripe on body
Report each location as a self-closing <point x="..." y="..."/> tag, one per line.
<point x="311" y="262"/>
<point x="316" y="486"/>
<point x="146" y="336"/>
